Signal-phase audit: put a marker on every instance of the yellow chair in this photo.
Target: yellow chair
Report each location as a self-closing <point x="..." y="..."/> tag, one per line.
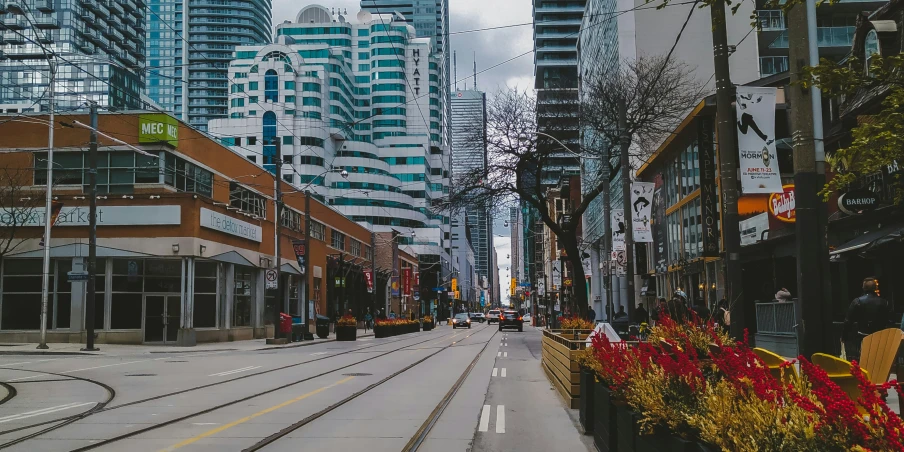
<point x="774" y="363"/>
<point x="878" y="352"/>
<point x="839" y="372"/>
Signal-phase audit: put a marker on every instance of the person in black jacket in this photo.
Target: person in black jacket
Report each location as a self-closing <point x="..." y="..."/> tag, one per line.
<point x="867" y="314"/>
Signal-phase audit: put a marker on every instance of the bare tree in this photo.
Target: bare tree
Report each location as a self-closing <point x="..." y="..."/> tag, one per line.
<point x="657" y="93"/>
<point x="18" y="201"/>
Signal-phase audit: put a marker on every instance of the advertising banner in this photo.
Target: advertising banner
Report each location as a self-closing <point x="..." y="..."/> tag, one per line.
<point x="395" y="289"/>
<point x="369" y="277"/>
<point x="406" y="280"/>
<point x="660" y="232"/>
<point x="709" y="196"/>
<point x="556" y="274"/>
<point x="758" y="162"/>
<point x="300" y="250"/>
<point x="618" y="229"/>
<point x="641" y="194"/>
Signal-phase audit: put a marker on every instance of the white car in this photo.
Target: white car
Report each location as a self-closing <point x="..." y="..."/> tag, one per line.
<point x="493" y="316"/>
<point x="526" y="318"/>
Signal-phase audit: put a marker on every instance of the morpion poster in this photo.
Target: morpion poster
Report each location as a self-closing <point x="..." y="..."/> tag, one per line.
<point x="709" y="196"/>
<point x="758" y="161"/>
<point x="641" y="192"/>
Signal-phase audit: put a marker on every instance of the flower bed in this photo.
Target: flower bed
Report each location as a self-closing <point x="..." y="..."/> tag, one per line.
<point x="346" y="328"/>
<point x="688" y="387"/>
<point x="428" y="323"/>
<point x="395" y="327"/>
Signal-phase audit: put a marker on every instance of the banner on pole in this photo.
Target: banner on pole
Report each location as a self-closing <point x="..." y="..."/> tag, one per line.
<point x="556" y="274"/>
<point x="757" y="161"/>
<point x="642" y="208"/>
<point x="395" y="289"/>
<point x="618" y="229"/>
<point x="369" y="277"/>
<point x="300" y="249"/>
<point x="406" y="280"/>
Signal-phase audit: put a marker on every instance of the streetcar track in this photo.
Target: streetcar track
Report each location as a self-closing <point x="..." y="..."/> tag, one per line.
<point x="65" y="420"/>
<point x="233" y="402"/>
<point x="10" y="392"/>
<point x="291" y="428"/>
<point x="170" y="394"/>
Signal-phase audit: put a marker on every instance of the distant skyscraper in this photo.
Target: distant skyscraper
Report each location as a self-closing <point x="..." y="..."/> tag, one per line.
<point x="516" y="224"/>
<point x="98" y="47"/>
<point x="188" y="63"/>
<point x="469" y="154"/>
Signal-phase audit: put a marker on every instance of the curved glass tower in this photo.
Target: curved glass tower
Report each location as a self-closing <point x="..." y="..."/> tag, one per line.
<point x="188" y="61"/>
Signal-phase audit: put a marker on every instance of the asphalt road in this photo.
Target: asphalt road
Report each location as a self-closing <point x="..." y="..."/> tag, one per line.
<point x="475" y="389"/>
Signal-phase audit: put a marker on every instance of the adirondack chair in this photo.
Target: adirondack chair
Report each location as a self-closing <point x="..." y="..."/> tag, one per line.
<point x="774" y="363"/>
<point x="839" y="372"/>
<point x="878" y="352"/>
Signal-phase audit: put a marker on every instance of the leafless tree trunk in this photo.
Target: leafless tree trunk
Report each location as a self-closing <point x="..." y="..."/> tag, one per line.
<point x="18" y="201"/>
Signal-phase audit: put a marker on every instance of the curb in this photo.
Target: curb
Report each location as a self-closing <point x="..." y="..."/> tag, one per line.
<point x="304" y="344"/>
<point x="24" y="353"/>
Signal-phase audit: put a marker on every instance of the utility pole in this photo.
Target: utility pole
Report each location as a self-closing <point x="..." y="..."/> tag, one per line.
<point x="728" y="170"/>
<point x="607" y="230"/>
<point x="373" y="273"/>
<point x="277" y="219"/>
<point x="92" y="231"/>
<point x="308" y="310"/>
<point x="48" y="221"/>
<point x="806" y="187"/>
<point x="625" y="142"/>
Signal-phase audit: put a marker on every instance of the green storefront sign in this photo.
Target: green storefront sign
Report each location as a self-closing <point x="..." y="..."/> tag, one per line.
<point x="156" y="128"/>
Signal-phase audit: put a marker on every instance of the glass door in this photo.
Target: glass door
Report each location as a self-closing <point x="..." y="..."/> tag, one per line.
<point x="162" y="315"/>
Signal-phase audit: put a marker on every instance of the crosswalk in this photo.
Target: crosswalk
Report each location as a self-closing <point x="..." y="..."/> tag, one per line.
<point x="485" y="414"/>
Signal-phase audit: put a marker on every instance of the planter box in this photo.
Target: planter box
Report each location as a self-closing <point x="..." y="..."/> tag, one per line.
<point x="604" y="426"/>
<point x="585" y="411"/>
<point x="429" y="326"/>
<point x="559" y="354"/>
<point x="346" y="333"/>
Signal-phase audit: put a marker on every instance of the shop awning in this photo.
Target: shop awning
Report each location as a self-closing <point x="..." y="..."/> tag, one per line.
<point x="871" y="240"/>
<point x="80" y="249"/>
<point x="286" y="268"/>
<point x="232" y="257"/>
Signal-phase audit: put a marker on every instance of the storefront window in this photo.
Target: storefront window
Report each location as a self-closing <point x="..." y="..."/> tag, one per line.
<point x="243" y="294"/>
<point x="22" y="284"/>
<point x="205" y="310"/>
<point x="674" y="237"/>
<point x="126" y="303"/>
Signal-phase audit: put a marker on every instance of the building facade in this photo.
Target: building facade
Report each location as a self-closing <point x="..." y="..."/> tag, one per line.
<point x="185" y="240"/>
<point x="365" y="98"/>
<point x="98" y="48"/>
<point x="189" y="46"/>
<point x="469" y="153"/>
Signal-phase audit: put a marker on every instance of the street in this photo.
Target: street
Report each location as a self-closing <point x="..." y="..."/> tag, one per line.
<point x="444" y="390"/>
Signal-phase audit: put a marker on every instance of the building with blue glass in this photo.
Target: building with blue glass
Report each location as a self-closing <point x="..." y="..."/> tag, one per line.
<point x="97" y="49"/>
<point x="189" y="46"/>
<point x="363" y="97"/>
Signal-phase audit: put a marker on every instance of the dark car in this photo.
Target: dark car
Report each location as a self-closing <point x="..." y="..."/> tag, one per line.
<point x="478" y="317"/>
<point x="461" y="320"/>
<point x="510" y="319"/>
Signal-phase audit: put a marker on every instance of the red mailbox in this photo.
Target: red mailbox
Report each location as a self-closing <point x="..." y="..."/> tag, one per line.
<point x="285" y="323"/>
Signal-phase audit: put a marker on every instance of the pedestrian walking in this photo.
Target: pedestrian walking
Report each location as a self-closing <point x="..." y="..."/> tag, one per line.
<point x="866" y="314"/>
<point x="368" y="320"/>
<point x="641" y="313"/>
<point x="702" y="312"/>
<point x="591" y="314"/>
<point x="660" y="311"/>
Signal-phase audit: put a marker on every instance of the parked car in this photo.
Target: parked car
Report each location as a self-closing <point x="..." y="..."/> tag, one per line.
<point x="526" y="318"/>
<point x="511" y="319"/>
<point x="478" y="317"/>
<point x="493" y="316"/>
<point x="461" y="320"/>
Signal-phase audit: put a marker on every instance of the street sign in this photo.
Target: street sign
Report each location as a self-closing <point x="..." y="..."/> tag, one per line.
<point x="77" y="276"/>
<point x="438" y="289"/>
<point x="271" y="279"/>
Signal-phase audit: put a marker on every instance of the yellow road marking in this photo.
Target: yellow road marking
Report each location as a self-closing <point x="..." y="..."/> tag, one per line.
<point x="248" y="418"/>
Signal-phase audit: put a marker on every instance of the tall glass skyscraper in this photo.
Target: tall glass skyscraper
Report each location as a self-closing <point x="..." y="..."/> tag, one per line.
<point x="98" y="49"/>
<point x="188" y="61"/>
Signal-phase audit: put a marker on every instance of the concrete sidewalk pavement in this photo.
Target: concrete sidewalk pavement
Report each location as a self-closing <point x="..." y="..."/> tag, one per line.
<point x="127" y="349"/>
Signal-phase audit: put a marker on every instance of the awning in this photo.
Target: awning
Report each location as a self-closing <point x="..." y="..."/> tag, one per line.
<point x="286" y="268"/>
<point x="871" y="240"/>
<point x="79" y="249"/>
<point x="232" y="257"/>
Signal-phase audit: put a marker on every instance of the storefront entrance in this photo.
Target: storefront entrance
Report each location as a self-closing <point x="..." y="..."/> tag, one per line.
<point x="162" y="318"/>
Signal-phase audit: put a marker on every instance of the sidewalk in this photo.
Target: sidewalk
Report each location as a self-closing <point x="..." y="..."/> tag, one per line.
<point x="122" y="349"/>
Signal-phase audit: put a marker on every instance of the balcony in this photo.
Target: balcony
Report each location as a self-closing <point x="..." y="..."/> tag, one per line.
<point x="116" y="8"/>
<point x="14" y="23"/>
<point x="45" y="6"/>
<point x="47" y="22"/>
<point x="11" y="37"/>
<point x="773" y="65"/>
<point x="45" y="37"/>
<point x="86" y="46"/>
<point x="826" y="37"/>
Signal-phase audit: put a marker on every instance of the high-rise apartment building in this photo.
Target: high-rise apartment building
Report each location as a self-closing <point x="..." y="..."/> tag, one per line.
<point x="97" y="47"/>
<point x="469" y="154"/>
<point x="364" y="97"/>
<point x="517" y="254"/>
<point x="189" y="46"/>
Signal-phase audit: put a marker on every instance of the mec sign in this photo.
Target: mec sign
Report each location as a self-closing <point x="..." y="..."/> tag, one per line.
<point x="156" y="128"/>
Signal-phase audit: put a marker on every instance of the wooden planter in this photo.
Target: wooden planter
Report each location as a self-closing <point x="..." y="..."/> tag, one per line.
<point x="346" y="333"/>
<point x="429" y="326"/>
<point x="585" y="411"/>
<point x="604" y="426"/>
<point x="559" y="361"/>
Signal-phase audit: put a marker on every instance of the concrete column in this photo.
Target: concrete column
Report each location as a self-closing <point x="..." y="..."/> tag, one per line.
<point x="108" y="293"/>
<point x="78" y="298"/>
<point x="186" y="335"/>
<point x="228" y="297"/>
<point x="257" y="306"/>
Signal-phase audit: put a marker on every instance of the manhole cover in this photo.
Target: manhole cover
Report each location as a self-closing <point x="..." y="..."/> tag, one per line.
<point x="175" y="361"/>
<point x="356" y="374"/>
<point x="141" y="375"/>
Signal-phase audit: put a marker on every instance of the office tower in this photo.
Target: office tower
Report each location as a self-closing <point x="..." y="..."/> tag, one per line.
<point x="97" y="48"/>
<point x="364" y="97"/>
<point x="188" y="59"/>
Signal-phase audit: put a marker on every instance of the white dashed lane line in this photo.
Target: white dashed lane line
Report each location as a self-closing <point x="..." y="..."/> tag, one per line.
<point x="484" y="424"/>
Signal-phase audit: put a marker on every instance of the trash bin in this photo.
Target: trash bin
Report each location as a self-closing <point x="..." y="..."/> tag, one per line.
<point x="285" y="324"/>
<point x="323" y="326"/>
<point x="297" y="332"/>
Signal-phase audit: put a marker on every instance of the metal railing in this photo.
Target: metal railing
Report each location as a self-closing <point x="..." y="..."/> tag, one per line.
<point x="776" y="318"/>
